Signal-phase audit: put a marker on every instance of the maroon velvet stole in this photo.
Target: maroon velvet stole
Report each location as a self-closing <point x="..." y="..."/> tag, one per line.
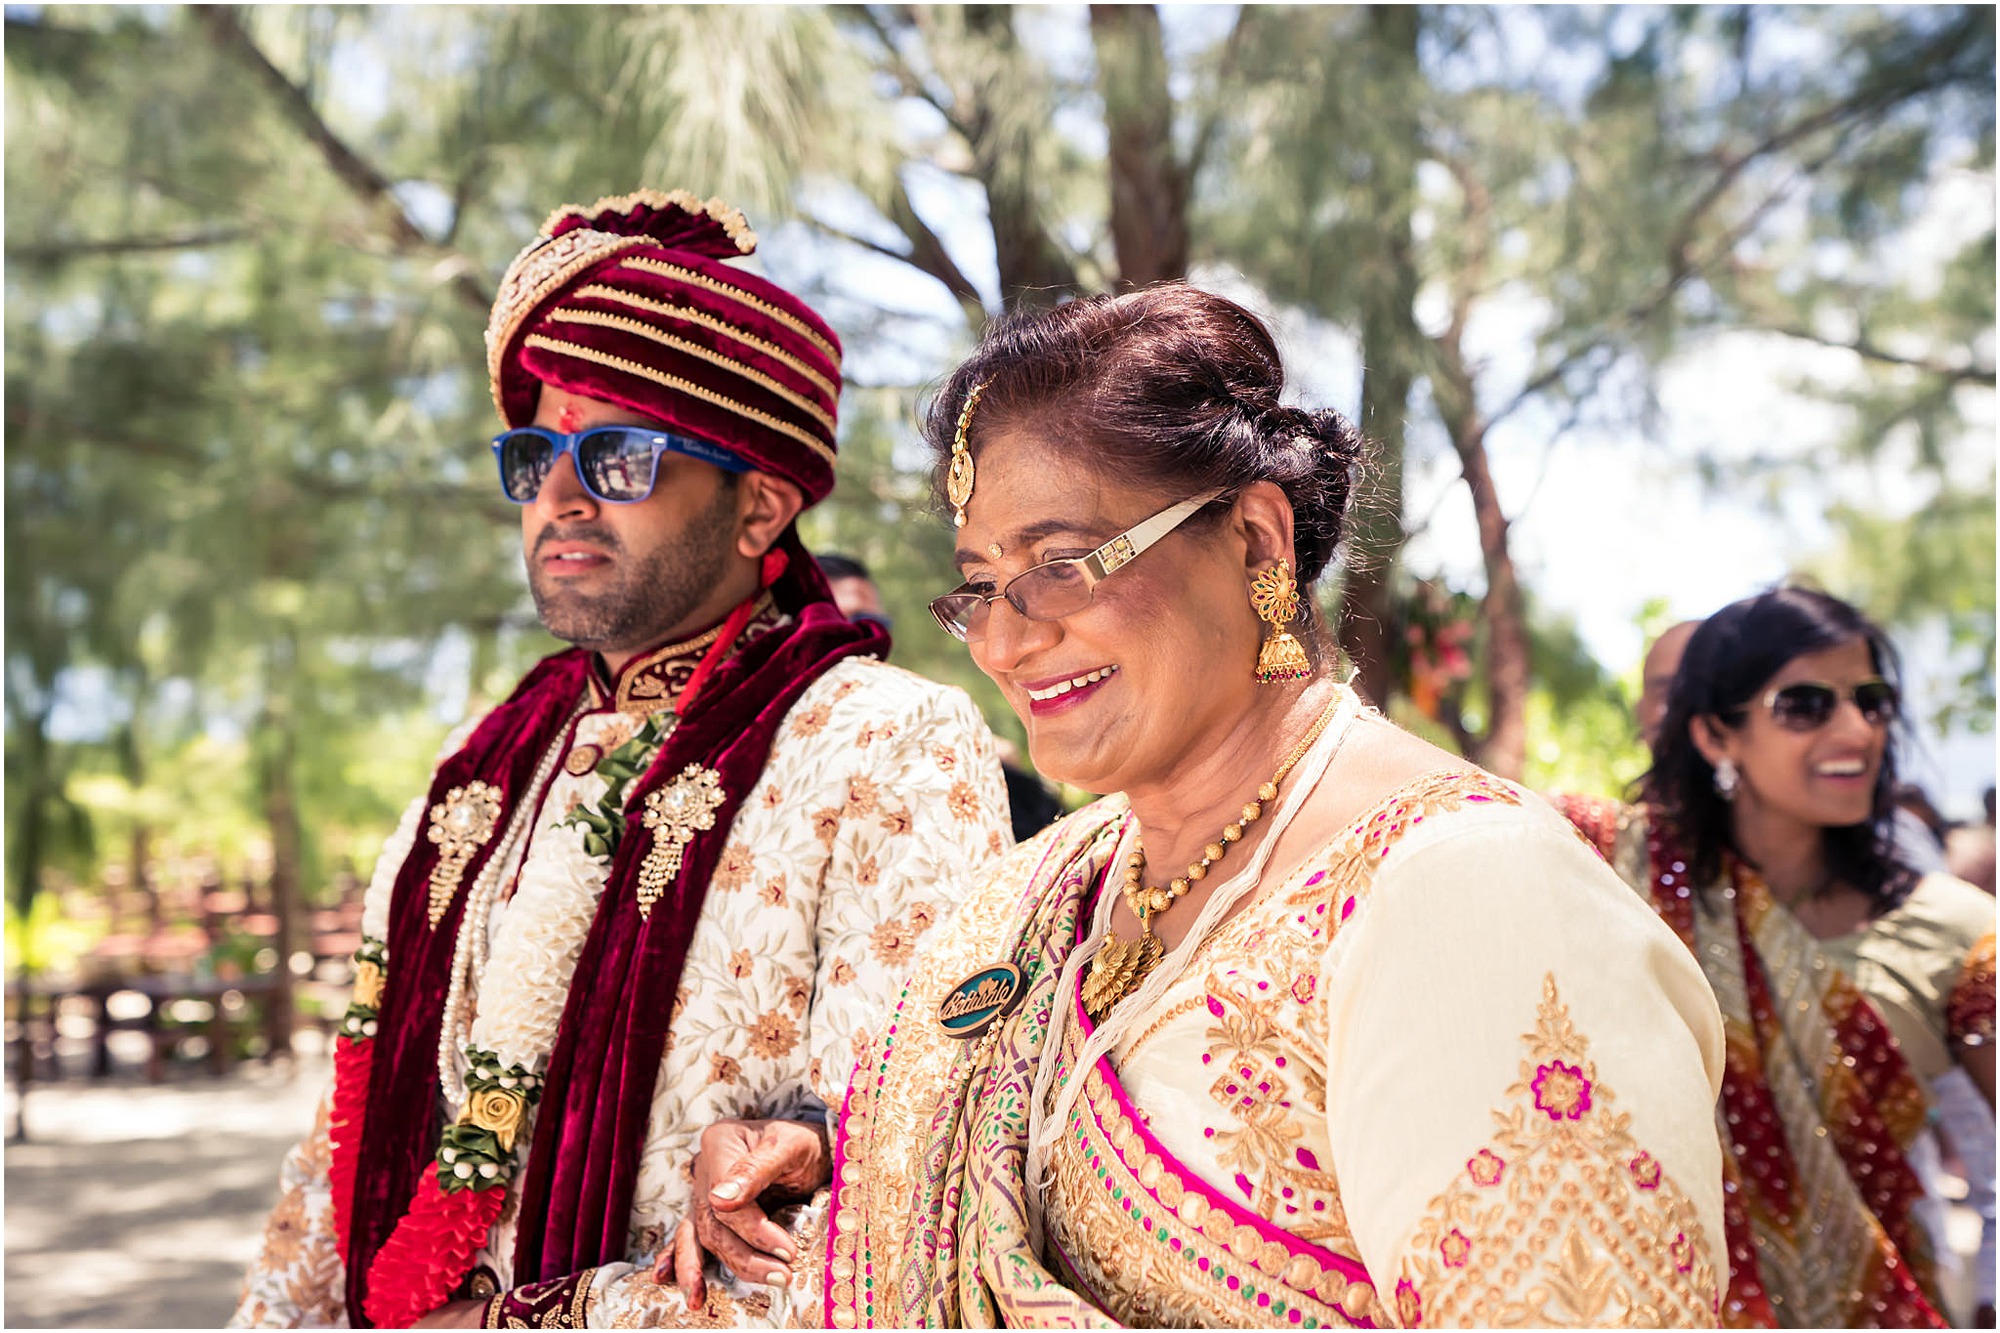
<point x="598" y="1089"/>
<point x="401" y="1125"/>
<point x="576" y="1191"/>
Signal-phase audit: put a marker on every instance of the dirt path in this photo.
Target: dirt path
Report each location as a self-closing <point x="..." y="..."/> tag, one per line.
<point x="138" y="1207"/>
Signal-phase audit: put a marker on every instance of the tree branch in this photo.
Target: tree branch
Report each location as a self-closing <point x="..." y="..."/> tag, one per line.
<point x="1211" y="124"/>
<point x="948" y="274"/>
<point x="1871" y="351"/>
<point x="56" y="252"/>
<point x="911" y="82"/>
<point x="362" y="180"/>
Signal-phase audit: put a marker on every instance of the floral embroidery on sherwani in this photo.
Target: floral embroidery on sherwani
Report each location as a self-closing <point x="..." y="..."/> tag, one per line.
<point x="811" y="919"/>
<point x="1564" y="1220"/>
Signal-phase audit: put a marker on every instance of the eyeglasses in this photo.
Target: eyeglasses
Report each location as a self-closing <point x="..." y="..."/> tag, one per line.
<point x="1058" y="588"/>
<point x="617" y="464"/>
<point x="1808" y="705"/>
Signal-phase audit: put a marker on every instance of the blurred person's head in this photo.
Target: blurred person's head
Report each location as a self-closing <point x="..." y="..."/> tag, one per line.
<point x="1968" y="854"/>
<point x="669" y="416"/>
<point x="1781" y="718"/>
<point x="1656" y="678"/>
<point x="1987" y="801"/>
<point x="854" y="590"/>
<point x="1150" y="419"/>
<point x="1912" y="797"/>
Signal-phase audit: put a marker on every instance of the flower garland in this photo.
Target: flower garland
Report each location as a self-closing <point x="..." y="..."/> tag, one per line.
<point x="353" y="1059"/>
<point x="461" y="1194"/>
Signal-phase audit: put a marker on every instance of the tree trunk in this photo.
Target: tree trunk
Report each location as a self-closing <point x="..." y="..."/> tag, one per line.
<point x="1149" y="182"/>
<point x="27" y="843"/>
<point x="278" y="746"/>
<point x="1391" y="346"/>
<point x="142" y="878"/>
<point x="1504" y="747"/>
<point x="1032" y="269"/>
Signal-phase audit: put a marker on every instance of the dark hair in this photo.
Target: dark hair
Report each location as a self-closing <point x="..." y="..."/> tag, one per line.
<point x="842" y="567"/>
<point x="1170" y="387"/>
<point x="1728" y="662"/>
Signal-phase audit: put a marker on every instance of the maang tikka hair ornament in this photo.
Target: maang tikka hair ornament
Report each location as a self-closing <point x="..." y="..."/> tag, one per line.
<point x="958" y="481"/>
<point x="1274" y="594"/>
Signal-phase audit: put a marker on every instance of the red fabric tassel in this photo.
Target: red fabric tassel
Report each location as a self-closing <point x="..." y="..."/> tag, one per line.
<point x="431" y="1251"/>
<point x="774" y="565"/>
<point x="353" y="1058"/>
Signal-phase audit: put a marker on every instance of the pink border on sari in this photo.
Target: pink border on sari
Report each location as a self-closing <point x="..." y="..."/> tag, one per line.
<point x="1160" y="1213"/>
<point x="1058" y="847"/>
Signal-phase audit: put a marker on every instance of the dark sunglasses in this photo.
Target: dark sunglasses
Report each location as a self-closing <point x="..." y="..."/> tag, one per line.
<point x="1808" y="705"/>
<point x="617" y="464"/>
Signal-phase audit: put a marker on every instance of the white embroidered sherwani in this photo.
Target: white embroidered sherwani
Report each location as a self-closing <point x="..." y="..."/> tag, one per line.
<point x="880" y="806"/>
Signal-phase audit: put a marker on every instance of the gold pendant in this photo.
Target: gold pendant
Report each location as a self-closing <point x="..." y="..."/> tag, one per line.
<point x="1117" y="971"/>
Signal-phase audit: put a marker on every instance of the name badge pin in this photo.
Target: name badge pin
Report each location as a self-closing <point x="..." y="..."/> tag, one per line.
<point x="981" y="1000"/>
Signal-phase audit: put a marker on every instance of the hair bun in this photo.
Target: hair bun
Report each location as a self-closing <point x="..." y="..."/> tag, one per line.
<point x="675" y="219"/>
<point x="1336" y="434"/>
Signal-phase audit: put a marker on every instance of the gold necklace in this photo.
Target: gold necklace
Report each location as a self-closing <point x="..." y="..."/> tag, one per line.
<point x="1121" y="965"/>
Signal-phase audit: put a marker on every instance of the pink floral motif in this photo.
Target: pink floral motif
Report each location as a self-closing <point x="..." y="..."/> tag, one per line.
<point x="1455" y="1248"/>
<point x="1487" y="1167"/>
<point x="1645" y="1170"/>
<point x="1682" y="1251"/>
<point x="1561" y="1091"/>
<point x="1409" y="1305"/>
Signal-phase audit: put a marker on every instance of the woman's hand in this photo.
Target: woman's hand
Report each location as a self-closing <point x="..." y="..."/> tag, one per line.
<point x="742" y="1168"/>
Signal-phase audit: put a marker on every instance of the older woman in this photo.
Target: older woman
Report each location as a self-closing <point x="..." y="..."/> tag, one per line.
<point x="1308" y="1023"/>
<point x="1846" y="980"/>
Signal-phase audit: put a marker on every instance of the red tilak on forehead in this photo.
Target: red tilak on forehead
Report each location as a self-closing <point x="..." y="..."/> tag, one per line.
<point x="568" y="419"/>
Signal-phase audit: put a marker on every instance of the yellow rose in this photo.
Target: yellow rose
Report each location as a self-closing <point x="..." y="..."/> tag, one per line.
<point x="368" y="982"/>
<point x="500" y="1110"/>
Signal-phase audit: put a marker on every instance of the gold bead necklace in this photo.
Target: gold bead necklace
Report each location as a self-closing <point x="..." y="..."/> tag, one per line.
<point x="1121" y="965"/>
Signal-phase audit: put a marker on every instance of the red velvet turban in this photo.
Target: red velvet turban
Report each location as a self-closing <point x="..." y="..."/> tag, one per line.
<point x="630" y="301"/>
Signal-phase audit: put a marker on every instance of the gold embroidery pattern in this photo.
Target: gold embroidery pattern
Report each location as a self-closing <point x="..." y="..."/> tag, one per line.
<point x="1161" y="1252"/>
<point x="1563" y="1220"/>
<point x="653" y="683"/>
<point x="686" y="386"/>
<point x="691" y="314"/>
<point x="737" y="294"/>
<point x="676" y="812"/>
<point x="734" y="224"/>
<point x="460" y="825"/>
<point x="1261" y="1081"/>
<point x="542" y="266"/>
<point x="638" y="328"/>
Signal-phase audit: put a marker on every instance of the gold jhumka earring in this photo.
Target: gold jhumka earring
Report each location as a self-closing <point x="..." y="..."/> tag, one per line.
<point x="958" y="481"/>
<point x="1274" y="595"/>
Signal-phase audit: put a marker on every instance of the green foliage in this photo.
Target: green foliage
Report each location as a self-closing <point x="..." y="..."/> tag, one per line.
<point x="1935" y="565"/>
<point x="257" y="562"/>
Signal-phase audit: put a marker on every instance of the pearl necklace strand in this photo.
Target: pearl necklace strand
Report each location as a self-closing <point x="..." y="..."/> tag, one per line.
<point x="468" y="959"/>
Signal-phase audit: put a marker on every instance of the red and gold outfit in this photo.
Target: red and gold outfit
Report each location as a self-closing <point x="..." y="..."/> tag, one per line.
<point x="1831" y="1043"/>
<point x="733" y="849"/>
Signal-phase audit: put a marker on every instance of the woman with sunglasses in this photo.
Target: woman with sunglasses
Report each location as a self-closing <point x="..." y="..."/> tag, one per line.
<point x="1847" y="982"/>
<point x="1307" y="1022"/>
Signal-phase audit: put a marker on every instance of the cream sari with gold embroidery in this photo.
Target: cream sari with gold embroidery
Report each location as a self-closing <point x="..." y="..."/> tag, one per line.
<point x="1450" y="1072"/>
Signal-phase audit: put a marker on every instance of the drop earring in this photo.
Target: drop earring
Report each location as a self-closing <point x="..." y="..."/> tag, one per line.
<point x="1274" y="595"/>
<point x="1726" y="779"/>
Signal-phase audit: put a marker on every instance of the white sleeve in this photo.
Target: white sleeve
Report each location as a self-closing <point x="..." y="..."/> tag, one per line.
<point x="1522" y="1069"/>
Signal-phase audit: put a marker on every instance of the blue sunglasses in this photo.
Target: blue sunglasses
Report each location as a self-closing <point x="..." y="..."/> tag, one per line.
<point x="617" y="464"/>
